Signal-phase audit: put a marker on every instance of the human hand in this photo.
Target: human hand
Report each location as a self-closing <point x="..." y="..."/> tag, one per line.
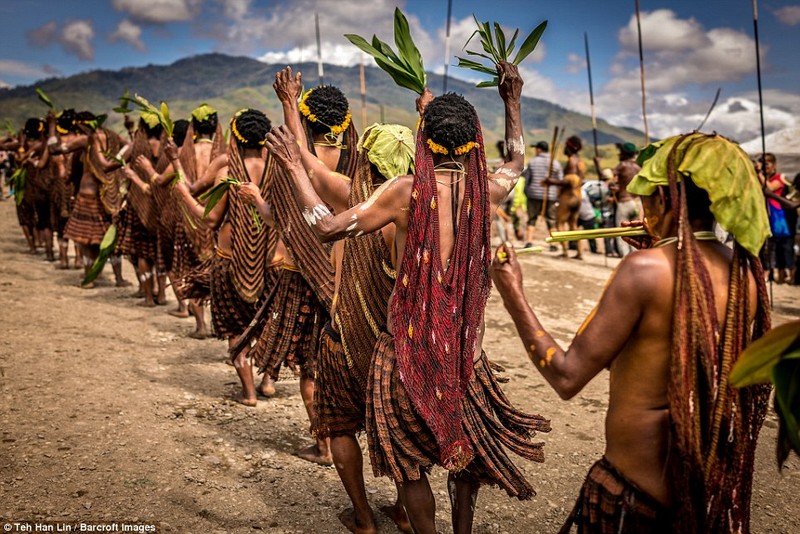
<point x="505" y="271"/>
<point x="640" y="242"/>
<point x="423" y="100"/>
<point x="283" y="146"/>
<point x="288" y="87"/>
<point x="250" y="193"/>
<point x="171" y="149"/>
<point x="510" y="83"/>
<point x="129" y="124"/>
<point x="143" y="162"/>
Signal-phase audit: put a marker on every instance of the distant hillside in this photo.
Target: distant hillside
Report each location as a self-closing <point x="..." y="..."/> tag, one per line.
<point x="231" y="83"/>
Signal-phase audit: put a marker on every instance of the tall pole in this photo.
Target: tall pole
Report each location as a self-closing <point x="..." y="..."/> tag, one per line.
<point x="447" y="44"/>
<point x="363" y="95"/>
<point x="763" y="133"/>
<point x="591" y="99"/>
<point x="713" y="105"/>
<point x="641" y="75"/>
<point x="320" y="72"/>
<point x="594" y="132"/>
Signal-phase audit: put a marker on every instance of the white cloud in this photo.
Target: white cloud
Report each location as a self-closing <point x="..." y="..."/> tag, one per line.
<point x="43" y="35"/>
<point x="76" y="37"/>
<point x="12" y="67"/>
<point x="789" y="15"/>
<point x="130" y="33"/>
<point x="334" y="54"/>
<point x="4" y="85"/>
<point x="575" y="63"/>
<point x="159" y="11"/>
<point x="680" y="52"/>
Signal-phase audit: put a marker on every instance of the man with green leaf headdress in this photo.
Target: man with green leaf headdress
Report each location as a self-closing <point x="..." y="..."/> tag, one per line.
<point x="674" y="318"/>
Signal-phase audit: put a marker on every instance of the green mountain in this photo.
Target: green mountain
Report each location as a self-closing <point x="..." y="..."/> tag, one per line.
<point x="231" y="83"/>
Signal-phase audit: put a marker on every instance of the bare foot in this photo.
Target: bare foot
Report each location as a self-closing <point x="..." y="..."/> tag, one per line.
<point x="241" y="399"/>
<point x="579" y="257"/>
<point x="199" y="334"/>
<point x="312" y="454"/>
<point x="90" y="285"/>
<point x="348" y="519"/>
<point x="181" y="314"/>
<point x="123" y="283"/>
<point x="138" y="295"/>
<point x="62" y="266"/>
<point x="398" y="515"/>
<point x="266" y="387"/>
<point x="146" y="304"/>
<point x="161" y="301"/>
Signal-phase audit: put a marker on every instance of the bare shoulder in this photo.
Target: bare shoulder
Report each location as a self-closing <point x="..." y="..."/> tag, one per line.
<point x="646" y="273"/>
<point x="395" y="191"/>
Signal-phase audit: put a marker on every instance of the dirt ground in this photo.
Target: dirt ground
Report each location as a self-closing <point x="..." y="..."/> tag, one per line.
<point x="108" y="412"/>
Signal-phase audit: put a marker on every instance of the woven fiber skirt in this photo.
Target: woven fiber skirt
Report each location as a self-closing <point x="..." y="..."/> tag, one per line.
<point x="88" y="223"/>
<point x="401" y="445"/>
<point x="230" y="314"/>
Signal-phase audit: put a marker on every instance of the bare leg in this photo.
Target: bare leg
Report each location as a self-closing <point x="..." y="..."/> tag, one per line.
<point x="244" y="368"/>
<point x="182" y="310"/>
<point x="349" y="462"/>
<point x="146" y="278"/>
<point x="63" y="256"/>
<point x="116" y="266"/>
<point x="48" y="244"/>
<point x="267" y="386"/>
<point x="463" y="491"/>
<point x="199" y="312"/>
<point x="89" y="253"/>
<point x="161" y="298"/>
<point x="320" y="452"/>
<point x="28" y="231"/>
<point x="417" y="498"/>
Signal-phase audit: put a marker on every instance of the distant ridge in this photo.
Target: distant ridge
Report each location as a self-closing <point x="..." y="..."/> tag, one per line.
<point x="230" y="83"/>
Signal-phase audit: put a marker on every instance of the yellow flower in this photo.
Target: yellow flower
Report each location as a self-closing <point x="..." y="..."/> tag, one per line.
<point x="436" y="147"/>
<point x="343" y="126"/>
<point x="463" y="149"/>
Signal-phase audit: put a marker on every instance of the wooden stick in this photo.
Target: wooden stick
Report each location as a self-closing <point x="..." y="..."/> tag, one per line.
<point x="320" y="72"/>
<point x="761" y="113"/>
<point x="503" y="257"/>
<point x="549" y="171"/>
<point x="447" y="44"/>
<point x="363" y="95"/>
<point x="713" y="105"/>
<point x="641" y="75"/>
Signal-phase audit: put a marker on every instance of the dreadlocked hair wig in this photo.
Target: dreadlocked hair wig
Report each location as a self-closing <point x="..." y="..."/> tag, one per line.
<point x="34" y="128"/>
<point x="208" y="126"/>
<point x="84" y="116"/>
<point x="712" y="427"/>
<point x="437" y="310"/>
<point x="153" y="132"/>
<point x="250" y="128"/>
<point x="450" y="124"/>
<point x="179" y="131"/>
<point x="573" y="145"/>
<point x="66" y="122"/>
<point x="325" y="110"/>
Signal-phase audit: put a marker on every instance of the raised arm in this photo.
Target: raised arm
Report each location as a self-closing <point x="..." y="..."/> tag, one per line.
<point x="213" y="171"/>
<point x="331" y="186"/>
<point x="503" y="180"/>
<point x="158" y="179"/>
<point x="598" y="341"/>
<point x="385" y="205"/>
<point x="133" y="176"/>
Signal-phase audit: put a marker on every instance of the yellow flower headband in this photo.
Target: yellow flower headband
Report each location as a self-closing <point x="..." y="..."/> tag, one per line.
<point x="235" y="130"/>
<point x="306" y="112"/>
<point x="458" y="151"/>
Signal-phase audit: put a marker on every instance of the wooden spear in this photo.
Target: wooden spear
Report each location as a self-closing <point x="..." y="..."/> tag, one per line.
<point x="320" y="72"/>
<point x="447" y="44"/>
<point x="641" y="75"/>
<point x="594" y="130"/>
<point x="557" y="136"/>
<point x="363" y="95"/>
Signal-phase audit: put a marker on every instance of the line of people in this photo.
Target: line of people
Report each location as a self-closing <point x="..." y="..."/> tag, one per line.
<point x="364" y="264"/>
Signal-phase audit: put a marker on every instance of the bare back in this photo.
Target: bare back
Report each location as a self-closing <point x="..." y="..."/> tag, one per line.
<point x="637" y="430"/>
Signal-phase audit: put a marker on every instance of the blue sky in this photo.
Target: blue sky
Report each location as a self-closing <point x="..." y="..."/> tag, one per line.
<point x="691" y="47"/>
